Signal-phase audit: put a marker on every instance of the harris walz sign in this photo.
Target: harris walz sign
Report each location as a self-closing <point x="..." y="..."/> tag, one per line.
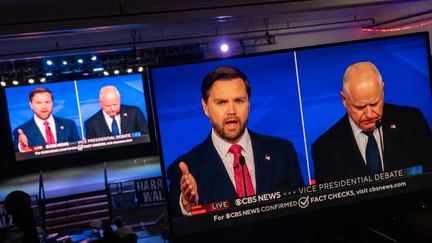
<point x="150" y="192"/>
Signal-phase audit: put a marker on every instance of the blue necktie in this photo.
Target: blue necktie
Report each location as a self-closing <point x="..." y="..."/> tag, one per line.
<point x="373" y="158"/>
<point x="114" y="128"/>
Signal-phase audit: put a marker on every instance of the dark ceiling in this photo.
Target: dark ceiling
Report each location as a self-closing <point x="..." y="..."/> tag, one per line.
<point x="34" y="28"/>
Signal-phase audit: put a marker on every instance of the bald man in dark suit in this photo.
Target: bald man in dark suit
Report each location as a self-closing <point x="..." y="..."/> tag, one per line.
<point x="128" y="119"/>
<point x="403" y="138"/>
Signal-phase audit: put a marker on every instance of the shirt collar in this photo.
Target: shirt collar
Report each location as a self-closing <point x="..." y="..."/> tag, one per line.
<point x="107" y="117"/>
<point x="40" y="122"/>
<point x="356" y="130"/>
<point x="223" y="146"/>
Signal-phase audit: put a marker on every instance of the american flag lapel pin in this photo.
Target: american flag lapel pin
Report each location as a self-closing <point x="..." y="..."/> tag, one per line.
<point x="267" y="157"/>
<point x="393" y="126"/>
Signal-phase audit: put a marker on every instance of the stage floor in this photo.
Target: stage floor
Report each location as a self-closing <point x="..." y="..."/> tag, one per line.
<point x="68" y="181"/>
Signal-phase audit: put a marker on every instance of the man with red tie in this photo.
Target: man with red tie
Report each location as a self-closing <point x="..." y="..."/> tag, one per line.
<point x="43" y="128"/>
<point x="233" y="161"/>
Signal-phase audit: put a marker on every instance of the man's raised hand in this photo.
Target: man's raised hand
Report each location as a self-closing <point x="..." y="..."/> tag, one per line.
<point x="188" y="187"/>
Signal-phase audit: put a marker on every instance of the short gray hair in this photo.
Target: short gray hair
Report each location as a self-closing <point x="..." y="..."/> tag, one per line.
<point x="347" y="74"/>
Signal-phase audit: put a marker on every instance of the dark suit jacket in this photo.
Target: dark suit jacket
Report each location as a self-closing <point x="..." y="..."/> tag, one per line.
<point x="407" y="142"/>
<point x="131" y="120"/>
<point x="66" y="132"/>
<point x="280" y="170"/>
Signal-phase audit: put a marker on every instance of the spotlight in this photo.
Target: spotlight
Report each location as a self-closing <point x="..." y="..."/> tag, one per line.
<point x="106" y="73"/>
<point x="49" y="62"/>
<point x="31" y="81"/>
<point x="140" y="69"/>
<point x="64" y="62"/>
<point x="15" y="82"/>
<point x="93" y="58"/>
<point x="3" y="83"/>
<point x="116" y="72"/>
<point x="98" y="69"/>
<point x="80" y="61"/>
<point x="129" y="70"/>
<point x="49" y="74"/>
<point x="224" y="47"/>
<point x="42" y="80"/>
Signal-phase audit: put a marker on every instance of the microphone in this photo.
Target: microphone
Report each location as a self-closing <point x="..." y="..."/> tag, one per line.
<point x="378" y="124"/>
<point x="242" y="162"/>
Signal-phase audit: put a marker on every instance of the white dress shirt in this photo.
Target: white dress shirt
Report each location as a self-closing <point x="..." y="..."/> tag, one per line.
<point x="222" y="148"/>
<point x="109" y="121"/>
<point x="362" y="140"/>
<point x="40" y="124"/>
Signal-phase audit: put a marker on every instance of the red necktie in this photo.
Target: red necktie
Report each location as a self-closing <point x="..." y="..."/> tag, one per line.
<point x="49" y="134"/>
<point x="238" y="175"/>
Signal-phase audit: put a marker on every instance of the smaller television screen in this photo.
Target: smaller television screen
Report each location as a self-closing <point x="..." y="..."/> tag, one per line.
<point x="77" y="116"/>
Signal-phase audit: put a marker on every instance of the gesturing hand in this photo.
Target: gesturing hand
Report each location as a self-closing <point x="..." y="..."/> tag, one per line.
<point x="22" y="141"/>
<point x="188" y="187"/>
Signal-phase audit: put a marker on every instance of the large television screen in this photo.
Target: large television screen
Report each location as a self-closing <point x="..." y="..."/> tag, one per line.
<point x="302" y="146"/>
<point x="100" y="118"/>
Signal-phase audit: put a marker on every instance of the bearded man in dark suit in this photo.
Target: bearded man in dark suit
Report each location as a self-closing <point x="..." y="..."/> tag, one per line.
<point x="212" y="171"/>
<point x="44" y="128"/>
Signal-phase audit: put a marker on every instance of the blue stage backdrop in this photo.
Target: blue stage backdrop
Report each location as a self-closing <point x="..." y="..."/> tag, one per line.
<point x="276" y="92"/>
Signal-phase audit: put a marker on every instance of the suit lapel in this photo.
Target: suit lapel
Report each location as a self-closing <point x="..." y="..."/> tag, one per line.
<point x="105" y="129"/>
<point x="263" y="165"/>
<point x="36" y="134"/>
<point x="59" y="130"/>
<point x="389" y="127"/>
<point x="123" y="120"/>
<point x="353" y="161"/>
<point x="221" y="186"/>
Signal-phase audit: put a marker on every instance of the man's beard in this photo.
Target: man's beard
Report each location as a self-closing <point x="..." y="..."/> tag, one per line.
<point x="43" y="118"/>
<point x="226" y="136"/>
